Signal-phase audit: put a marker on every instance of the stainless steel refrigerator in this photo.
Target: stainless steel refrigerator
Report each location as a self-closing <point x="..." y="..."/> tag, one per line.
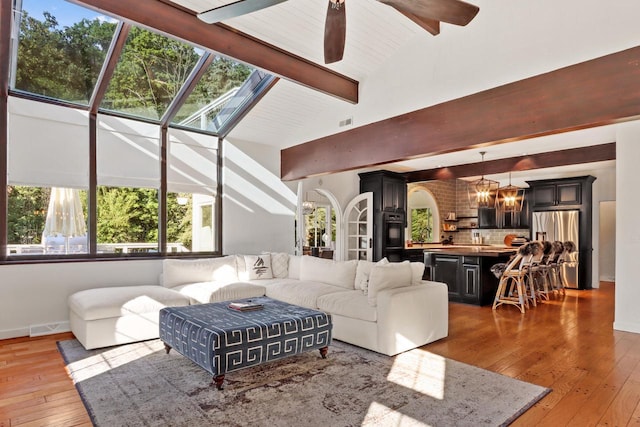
<point x="562" y="226"/>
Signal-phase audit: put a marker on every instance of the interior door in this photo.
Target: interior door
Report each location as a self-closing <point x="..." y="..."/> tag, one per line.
<point x="358" y="228"/>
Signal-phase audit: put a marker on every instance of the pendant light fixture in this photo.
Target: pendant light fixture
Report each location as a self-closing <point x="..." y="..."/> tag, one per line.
<point x="482" y="192"/>
<point x="510" y="197"/>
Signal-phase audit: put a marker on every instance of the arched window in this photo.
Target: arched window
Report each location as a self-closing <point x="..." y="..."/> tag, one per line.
<point x="423" y="221"/>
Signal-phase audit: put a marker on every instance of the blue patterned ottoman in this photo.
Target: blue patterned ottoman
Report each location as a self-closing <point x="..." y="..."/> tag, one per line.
<point x="222" y="340"/>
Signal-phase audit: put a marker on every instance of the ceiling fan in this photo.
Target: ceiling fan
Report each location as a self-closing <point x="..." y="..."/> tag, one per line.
<point x="426" y="13"/>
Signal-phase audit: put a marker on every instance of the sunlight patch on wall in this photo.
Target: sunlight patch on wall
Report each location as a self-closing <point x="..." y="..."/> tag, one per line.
<point x="253" y="181"/>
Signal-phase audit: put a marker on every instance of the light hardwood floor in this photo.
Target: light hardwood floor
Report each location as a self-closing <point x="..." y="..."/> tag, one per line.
<point x="567" y="344"/>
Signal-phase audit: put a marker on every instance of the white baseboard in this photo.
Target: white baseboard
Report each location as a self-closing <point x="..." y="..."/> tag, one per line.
<point x="14" y="333"/>
<point x="627" y="327"/>
<point x="607" y="279"/>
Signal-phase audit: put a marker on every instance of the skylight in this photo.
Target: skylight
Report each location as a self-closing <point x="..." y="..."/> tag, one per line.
<point x="60" y="49"/>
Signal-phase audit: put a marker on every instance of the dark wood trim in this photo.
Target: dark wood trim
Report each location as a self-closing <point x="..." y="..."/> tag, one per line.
<point x="597" y="92"/>
<point x="110" y="62"/>
<point x="92" y="199"/>
<point x="162" y="193"/>
<point x="5" y="53"/>
<point x="573" y="156"/>
<point x="228" y="41"/>
<point x="218" y="199"/>
<point x="261" y="91"/>
<point x="194" y="77"/>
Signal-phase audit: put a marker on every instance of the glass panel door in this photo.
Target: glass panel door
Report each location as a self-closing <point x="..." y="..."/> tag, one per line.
<point x="358" y="224"/>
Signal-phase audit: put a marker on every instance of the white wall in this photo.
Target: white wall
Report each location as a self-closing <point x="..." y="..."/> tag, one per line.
<point x="607" y="246"/>
<point x="35" y="294"/>
<point x="627" y="315"/>
<point x="258" y="208"/>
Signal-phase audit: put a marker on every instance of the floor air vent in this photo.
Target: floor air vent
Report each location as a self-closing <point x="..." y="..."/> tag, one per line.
<point x="49" y="328"/>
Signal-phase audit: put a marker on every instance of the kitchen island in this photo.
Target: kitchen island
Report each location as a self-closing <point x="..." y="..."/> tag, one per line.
<point x="466" y="269"/>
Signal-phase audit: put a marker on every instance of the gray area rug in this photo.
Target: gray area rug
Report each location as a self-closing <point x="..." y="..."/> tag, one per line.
<point x="139" y="385"/>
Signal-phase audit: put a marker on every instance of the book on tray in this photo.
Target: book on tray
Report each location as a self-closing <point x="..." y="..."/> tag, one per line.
<point x="245" y="306"/>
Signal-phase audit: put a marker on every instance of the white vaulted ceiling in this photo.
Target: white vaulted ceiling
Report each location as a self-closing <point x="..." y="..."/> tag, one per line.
<point x="402" y="68"/>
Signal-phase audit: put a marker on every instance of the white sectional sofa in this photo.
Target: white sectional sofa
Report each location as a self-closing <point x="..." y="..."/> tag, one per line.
<point x="384" y="307"/>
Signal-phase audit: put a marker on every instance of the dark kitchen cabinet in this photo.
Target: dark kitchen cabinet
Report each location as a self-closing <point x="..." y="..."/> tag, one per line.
<point x="470" y="283"/>
<point x="487" y="218"/>
<point x="558" y="193"/>
<point x="389" y="190"/>
<point x="569" y="194"/>
<point x="468" y="278"/>
<point x="446" y="271"/>
<point x="389" y="212"/>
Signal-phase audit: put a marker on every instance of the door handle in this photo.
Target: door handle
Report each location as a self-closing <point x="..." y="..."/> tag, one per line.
<point x="370" y="243"/>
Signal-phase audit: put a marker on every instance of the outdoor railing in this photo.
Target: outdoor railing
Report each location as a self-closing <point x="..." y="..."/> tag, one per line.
<point x="103" y="248"/>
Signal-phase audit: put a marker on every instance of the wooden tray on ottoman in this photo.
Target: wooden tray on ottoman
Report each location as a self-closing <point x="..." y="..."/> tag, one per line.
<point x="221" y="340"/>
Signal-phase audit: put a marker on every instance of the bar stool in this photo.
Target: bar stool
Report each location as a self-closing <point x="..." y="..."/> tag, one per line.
<point x="555" y="280"/>
<point x="535" y="250"/>
<point x="511" y="287"/>
<point x="541" y="272"/>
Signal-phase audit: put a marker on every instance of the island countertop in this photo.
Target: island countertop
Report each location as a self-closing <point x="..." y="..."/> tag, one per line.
<point x="467" y="250"/>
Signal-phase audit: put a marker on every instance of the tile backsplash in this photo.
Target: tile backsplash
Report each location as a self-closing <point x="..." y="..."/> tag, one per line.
<point x="451" y="196"/>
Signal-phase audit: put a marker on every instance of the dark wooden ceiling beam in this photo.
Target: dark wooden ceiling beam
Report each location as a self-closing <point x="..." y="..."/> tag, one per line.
<point x="228" y="41"/>
<point x="597" y="92"/>
<point x="573" y="156"/>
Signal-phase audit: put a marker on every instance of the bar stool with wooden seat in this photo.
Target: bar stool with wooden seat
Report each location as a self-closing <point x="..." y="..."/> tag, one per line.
<point x="511" y="287"/>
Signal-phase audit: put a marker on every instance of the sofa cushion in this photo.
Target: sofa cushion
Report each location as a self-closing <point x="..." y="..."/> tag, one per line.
<point x="337" y="273"/>
<point x="417" y="270"/>
<point x="103" y="303"/>
<point x="294" y="267"/>
<point x="392" y="275"/>
<point x="352" y="304"/>
<point x="181" y="271"/>
<point x="302" y="293"/>
<point x="268" y="282"/>
<point x="206" y="292"/>
<point x="362" y="273"/>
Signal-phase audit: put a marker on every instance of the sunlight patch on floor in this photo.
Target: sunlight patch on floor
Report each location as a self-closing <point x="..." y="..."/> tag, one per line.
<point x="92" y="366"/>
<point x="421" y="371"/>
<point x="379" y="414"/>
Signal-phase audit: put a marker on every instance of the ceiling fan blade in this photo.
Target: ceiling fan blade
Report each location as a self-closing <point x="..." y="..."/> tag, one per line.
<point x="454" y="12"/>
<point x="238" y="8"/>
<point x="335" y="30"/>
<point x="431" y="25"/>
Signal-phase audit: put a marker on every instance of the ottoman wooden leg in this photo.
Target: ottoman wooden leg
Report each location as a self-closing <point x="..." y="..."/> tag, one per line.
<point x="218" y="380"/>
<point x="167" y="348"/>
<point x="324" y="351"/>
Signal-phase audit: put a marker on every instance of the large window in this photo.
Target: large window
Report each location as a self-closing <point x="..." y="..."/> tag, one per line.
<point x="57" y="58"/>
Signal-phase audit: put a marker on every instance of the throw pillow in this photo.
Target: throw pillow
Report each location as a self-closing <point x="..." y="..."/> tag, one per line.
<point x="363" y="271"/>
<point x="279" y="264"/>
<point x="392" y="275"/>
<point x="259" y="266"/>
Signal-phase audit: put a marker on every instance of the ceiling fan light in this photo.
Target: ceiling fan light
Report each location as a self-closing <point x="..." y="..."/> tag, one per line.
<point x="336" y="4"/>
